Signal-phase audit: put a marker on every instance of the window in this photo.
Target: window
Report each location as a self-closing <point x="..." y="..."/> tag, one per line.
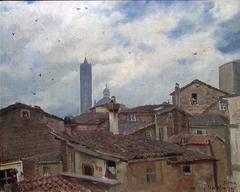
<point x="187" y="170"/>
<point x="199" y="131"/>
<point x="131" y="117"/>
<point x="161" y="133"/>
<point x="150" y="175"/>
<point x="5" y="177"/>
<point x="148" y="135"/>
<point x="25" y="114"/>
<point x="222" y="106"/>
<point x="111" y="170"/>
<point x="87" y="169"/>
<point x="194" y="99"/>
<point x="46" y="170"/>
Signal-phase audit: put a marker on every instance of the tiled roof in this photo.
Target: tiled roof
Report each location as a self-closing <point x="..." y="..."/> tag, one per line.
<point x="202" y="83"/>
<point x="129" y="127"/>
<point x="52" y="157"/>
<point x="56" y="183"/>
<point x="208" y="119"/>
<point x="121" y="146"/>
<point x="26" y="141"/>
<point x="193" y="139"/>
<point x="171" y="108"/>
<point x="126" y="147"/>
<point x="146" y="108"/>
<point x="188" y="155"/>
<point x="91" y="118"/>
<point x="21" y="105"/>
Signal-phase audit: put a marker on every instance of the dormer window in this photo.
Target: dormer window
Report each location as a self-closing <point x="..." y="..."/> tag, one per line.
<point x="194" y="99"/>
<point x="148" y="135"/>
<point x="25" y="113"/>
<point x="131" y="117"/>
<point x="222" y="106"/>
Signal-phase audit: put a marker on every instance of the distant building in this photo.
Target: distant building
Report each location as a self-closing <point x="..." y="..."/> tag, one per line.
<point x="106" y="97"/>
<point x="229" y="77"/>
<point x="196" y="96"/>
<point x="85" y="86"/>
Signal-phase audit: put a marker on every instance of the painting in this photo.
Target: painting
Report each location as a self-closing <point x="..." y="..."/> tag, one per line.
<point x="66" y="55"/>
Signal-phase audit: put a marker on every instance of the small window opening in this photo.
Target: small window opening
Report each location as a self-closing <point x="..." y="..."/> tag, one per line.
<point x="187" y="170"/>
<point x="222" y="106"/>
<point x="131" y="117"/>
<point x="87" y="169"/>
<point x="46" y="170"/>
<point x="25" y="114"/>
<point x="111" y="170"/>
<point x="148" y="135"/>
<point x="201" y="132"/>
<point x="161" y="133"/>
<point x="183" y="141"/>
<point x="150" y="175"/>
<point x="194" y="99"/>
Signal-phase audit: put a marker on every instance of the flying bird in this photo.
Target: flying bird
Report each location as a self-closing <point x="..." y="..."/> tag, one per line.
<point x="36" y="20"/>
<point x="13" y="33"/>
<point x="40" y="75"/>
<point x="194" y="53"/>
<point x="86" y="8"/>
<point x="52" y="79"/>
<point x="78" y="9"/>
<point x="34" y="93"/>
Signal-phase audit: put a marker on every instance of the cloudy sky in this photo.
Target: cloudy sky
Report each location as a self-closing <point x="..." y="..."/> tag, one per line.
<point x="140" y="49"/>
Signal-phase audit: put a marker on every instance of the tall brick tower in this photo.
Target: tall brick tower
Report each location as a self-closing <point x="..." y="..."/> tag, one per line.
<point x="85" y="86"/>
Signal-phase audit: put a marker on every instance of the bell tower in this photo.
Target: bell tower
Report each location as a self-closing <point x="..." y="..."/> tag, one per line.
<point x="85" y="86"/>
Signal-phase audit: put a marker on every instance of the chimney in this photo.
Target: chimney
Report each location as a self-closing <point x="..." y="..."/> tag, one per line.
<point x="113" y="109"/>
<point x="177" y="95"/>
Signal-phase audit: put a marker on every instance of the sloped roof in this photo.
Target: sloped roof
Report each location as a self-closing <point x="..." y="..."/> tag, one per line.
<point x="25" y="106"/>
<point x="171" y="108"/>
<point x="26" y="141"/>
<point x="208" y="119"/>
<point x="129" y="127"/>
<point x="126" y="147"/>
<point x="52" y="157"/>
<point x="146" y="108"/>
<point x="193" y="139"/>
<point x="187" y="155"/>
<point x="91" y="118"/>
<point x="199" y="82"/>
<point x="51" y="183"/>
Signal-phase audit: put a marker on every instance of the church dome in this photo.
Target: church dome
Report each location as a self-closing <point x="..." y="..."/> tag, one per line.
<point x="106" y="97"/>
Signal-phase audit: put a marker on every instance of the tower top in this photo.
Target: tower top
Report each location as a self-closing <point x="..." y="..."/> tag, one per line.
<point x="85" y="63"/>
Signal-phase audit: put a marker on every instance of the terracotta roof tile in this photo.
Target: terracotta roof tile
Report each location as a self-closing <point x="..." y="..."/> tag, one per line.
<point x="25" y="141"/>
<point x="208" y="119"/>
<point x="64" y="182"/>
<point x="52" y="157"/>
<point x="146" y="108"/>
<point x="193" y="139"/>
<point x="126" y="147"/>
<point x="91" y="118"/>
<point x="129" y="127"/>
